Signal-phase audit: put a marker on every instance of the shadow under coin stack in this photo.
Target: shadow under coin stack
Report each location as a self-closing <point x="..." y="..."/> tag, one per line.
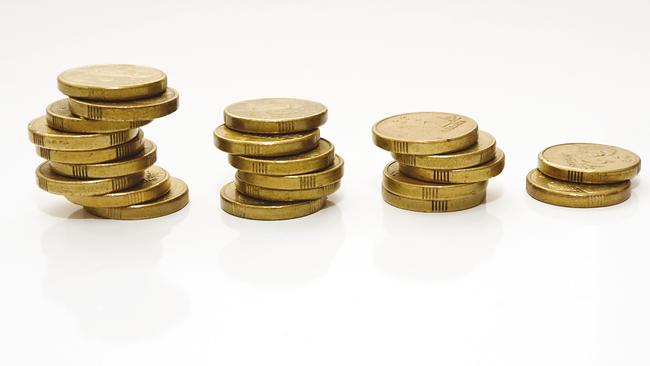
<point x="97" y="154"/>
<point x="583" y="175"/>
<point x="442" y="161"/>
<point x="284" y="169"/>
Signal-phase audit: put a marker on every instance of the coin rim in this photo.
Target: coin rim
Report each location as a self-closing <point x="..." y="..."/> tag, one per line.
<point x="288" y="195"/>
<point x="492" y="168"/>
<point x="126" y="111"/>
<point x="307" y="141"/>
<point x="411" y="204"/>
<point x="288" y="182"/>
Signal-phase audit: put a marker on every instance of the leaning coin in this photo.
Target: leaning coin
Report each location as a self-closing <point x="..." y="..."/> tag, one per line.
<point x="117" y="152"/>
<point x="446" y="205"/>
<point x="332" y="174"/>
<point x="54" y="183"/>
<point x="238" y="143"/>
<point x="135" y="110"/>
<point x="283" y="195"/>
<point x="466" y="175"/>
<point x="60" y="118"/>
<point x="275" y="115"/>
<point x="42" y="135"/>
<point x="316" y="159"/>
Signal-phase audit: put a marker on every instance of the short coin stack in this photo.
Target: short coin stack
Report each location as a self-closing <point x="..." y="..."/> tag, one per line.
<point x="583" y="175"/>
<point x="442" y="161"/>
<point x="97" y="154"/>
<point x="284" y="169"/>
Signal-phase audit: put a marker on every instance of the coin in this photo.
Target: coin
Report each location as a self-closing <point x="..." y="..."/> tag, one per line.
<point x="332" y="174"/>
<point x="156" y="183"/>
<point x="174" y="200"/>
<point x="466" y="175"/>
<point x="425" y="133"/>
<point x="275" y="115"/>
<point x="238" y="143"/>
<point x="117" y="152"/>
<point x="60" y="118"/>
<point x="405" y="186"/>
<point x="589" y="163"/>
<point x="135" y="110"/>
<point x="569" y="194"/>
<point x="112" y="82"/>
<point x="481" y="152"/>
<point x="283" y="195"/>
<point x="446" y="205"/>
<point x="134" y="164"/>
<point x="316" y="159"/>
<point x="54" y="183"/>
<point x="42" y="135"/>
<point x="240" y="205"/>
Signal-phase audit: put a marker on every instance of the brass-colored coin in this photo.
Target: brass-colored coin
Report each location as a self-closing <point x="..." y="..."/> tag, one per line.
<point x="480" y="153"/>
<point x="275" y="115"/>
<point x="405" y="186"/>
<point x="589" y="163"/>
<point x="313" y="160"/>
<point x="568" y="194"/>
<point x="135" y="110"/>
<point x="59" y="117"/>
<point x="156" y="183"/>
<point x="54" y="183"/>
<point x="282" y="195"/>
<point x="332" y="174"/>
<point x="445" y="205"/>
<point x="42" y="135"/>
<point x="238" y="143"/>
<point x="240" y="205"/>
<point x="112" y="82"/>
<point x="425" y="133"/>
<point x="117" y="152"/>
<point x="174" y="200"/>
<point x="134" y="164"/>
<point x="466" y="175"/>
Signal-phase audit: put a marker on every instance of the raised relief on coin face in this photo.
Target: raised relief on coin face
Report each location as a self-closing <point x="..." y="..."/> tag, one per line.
<point x="426" y="126"/>
<point x="591" y="157"/>
<point x="274" y="109"/>
<point x="112" y="76"/>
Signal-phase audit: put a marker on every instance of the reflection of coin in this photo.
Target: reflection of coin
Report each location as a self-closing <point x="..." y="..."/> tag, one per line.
<point x="332" y="174"/>
<point x="60" y="118"/>
<point x="466" y="175"/>
<point x="42" y="135"/>
<point x="51" y="182"/>
<point x="316" y="159"/>
<point x="283" y="195"/>
<point x="134" y="110"/>
<point x="275" y="115"/>
<point x="117" y="152"/>
<point x="446" y="205"/>
<point x="238" y="143"/>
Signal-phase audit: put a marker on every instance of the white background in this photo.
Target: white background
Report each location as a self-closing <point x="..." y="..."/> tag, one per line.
<point x="513" y="282"/>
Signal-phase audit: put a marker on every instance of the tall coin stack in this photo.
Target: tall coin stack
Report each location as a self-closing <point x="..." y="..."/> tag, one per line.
<point x="583" y="175"/>
<point x="284" y="169"/>
<point x="97" y="154"/>
<point x="442" y="161"/>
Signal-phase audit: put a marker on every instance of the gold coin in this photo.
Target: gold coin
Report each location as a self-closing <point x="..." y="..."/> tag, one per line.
<point x="42" y="135"/>
<point x="316" y="159"/>
<point x="275" y="115"/>
<point x="174" y="200"/>
<point x="238" y="143"/>
<point x="466" y="175"/>
<point x="445" y="205"/>
<point x="117" y="152"/>
<point x="589" y="163"/>
<point x="156" y="183"/>
<point x="282" y="195"/>
<point x="240" y="205"/>
<point x="405" y="186"/>
<point x="54" y="183"/>
<point x="131" y="165"/>
<point x="482" y="152"/>
<point x="112" y="82"/>
<point x="561" y="193"/>
<point x="60" y="118"/>
<point x="301" y="181"/>
<point x="135" y="110"/>
<point x="425" y="133"/>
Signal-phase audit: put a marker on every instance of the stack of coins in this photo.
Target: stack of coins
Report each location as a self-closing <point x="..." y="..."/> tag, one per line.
<point x="583" y="175"/>
<point x="284" y="169"/>
<point x="97" y="154"/>
<point x="442" y="161"/>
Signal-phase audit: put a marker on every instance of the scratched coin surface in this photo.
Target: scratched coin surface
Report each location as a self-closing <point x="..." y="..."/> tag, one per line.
<point x="284" y="195"/>
<point x="238" y="143"/>
<point x="442" y="205"/>
<point x="332" y="174"/>
<point x="310" y="161"/>
<point x="589" y="163"/>
<point x="112" y="82"/>
<point x="43" y="135"/>
<point x="275" y="115"/>
<point x="59" y="117"/>
<point x="117" y="152"/>
<point x="479" y="173"/>
<point x="580" y="195"/>
<point x="425" y="133"/>
<point x="54" y="183"/>
<point x="134" y="110"/>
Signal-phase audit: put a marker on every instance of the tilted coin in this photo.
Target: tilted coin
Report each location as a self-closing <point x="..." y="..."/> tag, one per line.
<point x="446" y="205"/>
<point x="59" y="117"/>
<point x="283" y="195"/>
<point x="116" y="152"/>
<point x="425" y="133"/>
<point x="238" y="143"/>
<point x="174" y="200"/>
<point x="569" y="194"/>
<point x="332" y="174"/>
<point x="240" y="205"/>
<point x="43" y="135"/>
<point x="481" y="152"/>
<point x="275" y="115"/>
<point x="466" y="175"/>
<point x="589" y="163"/>
<point x="316" y="159"/>
<point x="135" y="110"/>
<point x="112" y="82"/>
<point x="54" y="183"/>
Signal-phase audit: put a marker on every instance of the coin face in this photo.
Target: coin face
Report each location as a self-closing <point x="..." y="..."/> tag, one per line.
<point x="275" y="115"/>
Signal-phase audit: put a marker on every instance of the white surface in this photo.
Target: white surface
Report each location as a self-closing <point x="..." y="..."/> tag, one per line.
<point x="513" y="282"/>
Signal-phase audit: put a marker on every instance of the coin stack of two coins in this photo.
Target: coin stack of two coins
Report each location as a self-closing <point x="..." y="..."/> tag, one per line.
<point x="284" y="169"/>
<point x="442" y="161"/>
<point x="97" y="154"/>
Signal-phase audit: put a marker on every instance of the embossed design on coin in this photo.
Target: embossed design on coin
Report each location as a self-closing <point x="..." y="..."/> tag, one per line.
<point x="275" y="115"/>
